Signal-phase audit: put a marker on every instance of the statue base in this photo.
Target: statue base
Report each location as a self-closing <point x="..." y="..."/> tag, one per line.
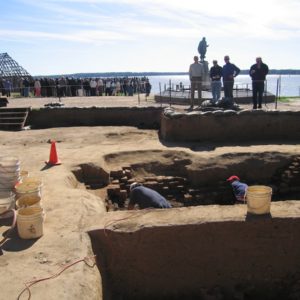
<point x="206" y="79"/>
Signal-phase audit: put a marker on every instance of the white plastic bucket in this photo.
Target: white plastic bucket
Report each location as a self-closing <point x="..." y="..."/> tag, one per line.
<point x="30" y="186"/>
<point x="7" y="201"/>
<point x="9" y="172"/>
<point x="259" y="199"/>
<point x="9" y="161"/>
<point x="30" y="221"/>
<point x="24" y="174"/>
<point x="9" y="179"/>
<point x="29" y="201"/>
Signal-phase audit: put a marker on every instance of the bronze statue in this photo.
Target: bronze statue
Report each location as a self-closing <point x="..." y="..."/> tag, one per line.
<point x="202" y="49"/>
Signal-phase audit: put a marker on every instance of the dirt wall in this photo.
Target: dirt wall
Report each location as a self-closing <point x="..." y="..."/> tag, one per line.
<point x="230" y="126"/>
<point x="178" y="253"/>
<point x="147" y="117"/>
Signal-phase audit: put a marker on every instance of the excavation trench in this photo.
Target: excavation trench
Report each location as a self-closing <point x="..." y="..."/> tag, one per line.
<point x="196" y="250"/>
<point x="187" y="180"/>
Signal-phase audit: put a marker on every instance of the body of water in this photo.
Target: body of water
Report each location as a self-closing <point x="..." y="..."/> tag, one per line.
<point x="290" y="84"/>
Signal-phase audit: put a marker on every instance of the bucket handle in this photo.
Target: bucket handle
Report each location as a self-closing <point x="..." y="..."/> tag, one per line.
<point x="12" y="226"/>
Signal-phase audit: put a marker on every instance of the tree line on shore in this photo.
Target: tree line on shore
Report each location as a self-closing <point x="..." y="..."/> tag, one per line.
<point x="137" y="74"/>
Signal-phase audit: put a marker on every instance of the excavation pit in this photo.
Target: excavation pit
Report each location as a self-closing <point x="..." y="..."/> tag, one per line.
<point x="196" y="250"/>
<point x="187" y="180"/>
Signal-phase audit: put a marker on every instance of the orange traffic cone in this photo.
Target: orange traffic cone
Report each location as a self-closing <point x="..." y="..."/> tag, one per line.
<point x="53" y="160"/>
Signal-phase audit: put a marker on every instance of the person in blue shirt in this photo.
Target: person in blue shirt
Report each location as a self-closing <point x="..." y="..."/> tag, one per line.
<point x="146" y="198"/>
<point x="230" y="71"/>
<point x="239" y="188"/>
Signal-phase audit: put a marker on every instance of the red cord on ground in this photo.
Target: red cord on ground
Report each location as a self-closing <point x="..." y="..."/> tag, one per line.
<point x="89" y="261"/>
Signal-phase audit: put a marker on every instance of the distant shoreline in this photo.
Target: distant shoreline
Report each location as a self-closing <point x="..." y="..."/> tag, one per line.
<point x="146" y="74"/>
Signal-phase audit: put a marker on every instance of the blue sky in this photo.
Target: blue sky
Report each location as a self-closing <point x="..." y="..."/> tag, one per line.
<point x="71" y="36"/>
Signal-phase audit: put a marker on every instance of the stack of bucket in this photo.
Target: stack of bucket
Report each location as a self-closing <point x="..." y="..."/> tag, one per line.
<point x="9" y="176"/>
<point x="9" y="172"/>
<point x="30" y="217"/>
<point x="27" y="197"/>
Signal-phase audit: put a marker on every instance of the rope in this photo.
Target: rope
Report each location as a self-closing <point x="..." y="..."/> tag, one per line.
<point x="12" y="226"/>
<point x="86" y="260"/>
<point x="89" y="261"/>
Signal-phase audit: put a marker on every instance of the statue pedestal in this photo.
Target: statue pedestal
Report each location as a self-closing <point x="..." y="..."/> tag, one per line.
<point x="206" y="79"/>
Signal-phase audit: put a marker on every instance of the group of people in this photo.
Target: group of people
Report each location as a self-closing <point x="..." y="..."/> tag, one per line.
<point x="227" y="73"/>
<point x="145" y="197"/>
<point x="71" y="87"/>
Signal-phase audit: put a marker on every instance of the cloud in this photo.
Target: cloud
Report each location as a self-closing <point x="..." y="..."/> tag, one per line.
<point x="87" y="36"/>
<point x="178" y="18"/>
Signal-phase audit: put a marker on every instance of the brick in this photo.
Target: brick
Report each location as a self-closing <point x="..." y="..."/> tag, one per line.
<point x="124" y="179"/>
<point x="131" y="180"/>
<point x="150" y="178"/>
<point x="160" y="179"/>
<point x="123" y="195"/>
<point x="113" y="190"/>
<point x="126" y="168"/>
<point x="187" y="198"/>
<point x="173" y="184"/>
<point x="122" y="186"/>
<point x="151" y="184"/>
<point x="169" y="178"/>
<point x="165" y="189"/>
<point x="116" y="174"/>
<point x="128" y="174"/>
<point x="180" y="187"/>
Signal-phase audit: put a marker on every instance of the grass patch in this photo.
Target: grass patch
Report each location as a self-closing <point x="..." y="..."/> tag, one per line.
<point x="288" y="99"/>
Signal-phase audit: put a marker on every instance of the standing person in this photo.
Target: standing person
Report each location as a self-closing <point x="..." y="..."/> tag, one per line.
<point x="196" y="73"/>
<point x="8" y="87"/>
<point x="93" y="86"/>
<point x="118" y="88"/>
<point x="100" y="86"/>
<point x="37" y="88"/>
<point x="258" y="73"/>
<point x="239" y="188"/>
<point x="229" y="72"/>
<point x="147" y="88"/>
<point x="26" y="85"/>
<point x="146" y="198"/>
<point x="215" y="74"/>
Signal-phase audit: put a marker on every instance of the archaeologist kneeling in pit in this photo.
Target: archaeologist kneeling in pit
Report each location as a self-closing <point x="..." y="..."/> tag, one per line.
<point x="239" y="188"/>
<point x="146" y="198"/>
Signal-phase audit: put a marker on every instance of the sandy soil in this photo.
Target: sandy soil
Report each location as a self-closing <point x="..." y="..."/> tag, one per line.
<point x="69" y="208"/>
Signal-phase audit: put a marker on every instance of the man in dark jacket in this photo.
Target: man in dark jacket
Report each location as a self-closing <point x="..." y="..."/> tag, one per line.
<point x="215" y="74"/>
<point x="258" y="73"/>
<point x="146" y="198"/>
